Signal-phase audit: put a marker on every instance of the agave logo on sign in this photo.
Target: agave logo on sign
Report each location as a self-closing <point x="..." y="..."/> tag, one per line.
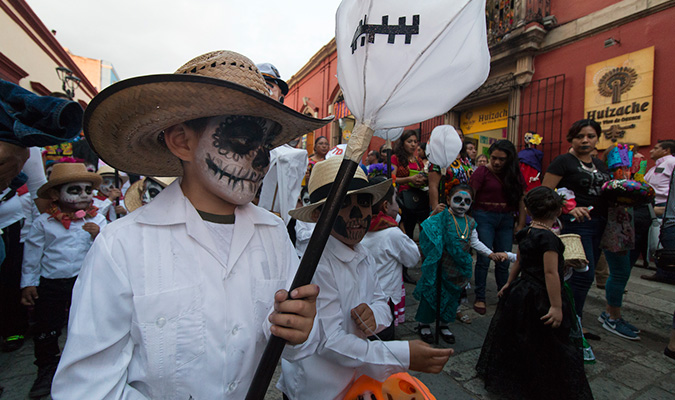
<point x="619" y="95"/>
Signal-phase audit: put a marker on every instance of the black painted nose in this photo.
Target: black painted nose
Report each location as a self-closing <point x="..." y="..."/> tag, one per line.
<point x="355" y="213"/>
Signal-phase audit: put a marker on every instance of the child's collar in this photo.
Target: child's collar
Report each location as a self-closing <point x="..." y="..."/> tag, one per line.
<point x="66" y="218"/>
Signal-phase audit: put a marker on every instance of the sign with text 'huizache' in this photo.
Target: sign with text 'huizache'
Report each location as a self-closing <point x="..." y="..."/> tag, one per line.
<point x="619" y="95"/>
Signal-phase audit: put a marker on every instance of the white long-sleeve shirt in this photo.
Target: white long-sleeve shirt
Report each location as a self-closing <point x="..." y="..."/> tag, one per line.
<point x="159" y="313"/>
<point x="481" y="248"/>
<point x="303" y="232"/>
<point x="283" y="181"/>
<point x="391" y="250"/>
<point x="346" y="279"/>
<point x="54" y="252"/>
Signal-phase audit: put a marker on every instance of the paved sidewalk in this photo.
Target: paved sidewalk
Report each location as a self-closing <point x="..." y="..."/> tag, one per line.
<point x="624" y="369"/>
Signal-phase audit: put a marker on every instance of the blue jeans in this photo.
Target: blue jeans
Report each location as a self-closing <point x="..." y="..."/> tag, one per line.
<point x="27" y="119"/>
<point x="591" y="233"/>
<point x="667" y="237"/>
<point x="495" y="230"/>
<point x="619" y="272"/>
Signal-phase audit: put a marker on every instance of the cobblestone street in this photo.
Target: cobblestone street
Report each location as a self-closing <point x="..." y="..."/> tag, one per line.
<point x="624" y="369"/>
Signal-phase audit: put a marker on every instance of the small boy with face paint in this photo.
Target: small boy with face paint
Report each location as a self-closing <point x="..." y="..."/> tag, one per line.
<point x="351" y="305"/>
<point x="446" y="238"/>
<point x="108" y="193"/>
<point x="177" y="299"/>
<point x="392" y="250"/>
<point x="53" y="253"/>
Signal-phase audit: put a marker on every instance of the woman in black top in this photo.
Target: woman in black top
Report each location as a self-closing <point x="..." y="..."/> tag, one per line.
<point x="584" y="175"/>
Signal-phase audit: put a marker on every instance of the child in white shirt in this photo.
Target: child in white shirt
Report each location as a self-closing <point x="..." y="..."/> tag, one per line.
<point x="53" y="253"/>
<point x="176" y="300"/>
<point x="351" y="305"/>
<point x="391" y="250"/>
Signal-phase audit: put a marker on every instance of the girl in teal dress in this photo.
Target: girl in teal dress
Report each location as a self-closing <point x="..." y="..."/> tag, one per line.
<point x="445" y="239"/>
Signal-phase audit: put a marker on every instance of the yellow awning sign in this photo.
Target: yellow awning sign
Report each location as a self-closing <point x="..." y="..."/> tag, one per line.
<point x="481" y="119"/>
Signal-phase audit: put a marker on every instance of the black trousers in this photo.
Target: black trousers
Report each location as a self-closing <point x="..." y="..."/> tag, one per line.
<point x="13" y="316"/>
<point x="51" y="313"/>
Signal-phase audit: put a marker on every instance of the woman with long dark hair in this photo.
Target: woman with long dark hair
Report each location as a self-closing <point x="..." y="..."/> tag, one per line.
<point x="578" y="171"/>
<point x="499" y="190"/>
<point x="411" y="182"/>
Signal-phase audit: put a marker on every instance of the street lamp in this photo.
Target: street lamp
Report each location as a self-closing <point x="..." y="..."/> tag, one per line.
<point x="70" y="81"/>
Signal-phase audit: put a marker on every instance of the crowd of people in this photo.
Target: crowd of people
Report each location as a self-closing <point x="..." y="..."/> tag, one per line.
<point x="169" y="267"/>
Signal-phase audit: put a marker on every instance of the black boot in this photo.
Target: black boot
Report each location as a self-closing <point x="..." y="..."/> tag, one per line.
<point x="43" y="384"/>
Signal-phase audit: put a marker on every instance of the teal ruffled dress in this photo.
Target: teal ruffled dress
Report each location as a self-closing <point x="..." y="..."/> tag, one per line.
<point x="441" y="242"/>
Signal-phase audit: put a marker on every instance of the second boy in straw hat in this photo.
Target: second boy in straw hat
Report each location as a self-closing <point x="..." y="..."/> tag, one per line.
<point x="351" y="305"/>
<point x="174" y="300"/>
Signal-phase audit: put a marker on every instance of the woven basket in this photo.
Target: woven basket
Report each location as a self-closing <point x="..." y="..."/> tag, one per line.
<point x="574" y="250"/>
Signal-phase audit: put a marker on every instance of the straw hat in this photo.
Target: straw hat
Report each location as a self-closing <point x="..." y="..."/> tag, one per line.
<point x="108" y="170"/>
<point x="133" y="198"/>
<point x="321" y="180"/>
<point x="66" y="173"/>
<point x="123" y="123"/>
<point x="574" y="250"/>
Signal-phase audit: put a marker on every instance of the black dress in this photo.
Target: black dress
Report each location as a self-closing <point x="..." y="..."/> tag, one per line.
<point x="521" y="357"/>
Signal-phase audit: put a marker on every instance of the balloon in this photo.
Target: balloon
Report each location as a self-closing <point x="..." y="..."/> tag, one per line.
<point x="444" y="146"/>
<point x="401" y="62"/>
<point x="389" y="134"/>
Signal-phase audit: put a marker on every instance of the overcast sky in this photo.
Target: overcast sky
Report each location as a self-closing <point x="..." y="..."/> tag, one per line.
<point x="141" y="37"/>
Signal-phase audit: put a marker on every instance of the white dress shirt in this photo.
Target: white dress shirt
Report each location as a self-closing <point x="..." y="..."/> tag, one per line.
<point x="346" y="278"/>
<point x="54" y="252"/>
<point x="303" y="232"/>
<point x="283" y="181"/>
<point x="391" y="250"/>
<point x="158" y="314"/>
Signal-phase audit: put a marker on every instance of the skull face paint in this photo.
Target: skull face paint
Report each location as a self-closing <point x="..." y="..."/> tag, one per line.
<point x="233" y="156"/>
<point x="460" y="203"/>
<point x="150" y="190"/>
<point x="75" y="196"/>
<point x="107" y="184"/>
<point x="353" y="219"/>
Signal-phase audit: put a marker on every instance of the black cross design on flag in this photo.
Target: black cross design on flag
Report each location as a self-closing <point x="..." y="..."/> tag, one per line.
<point x="369" y="31"/>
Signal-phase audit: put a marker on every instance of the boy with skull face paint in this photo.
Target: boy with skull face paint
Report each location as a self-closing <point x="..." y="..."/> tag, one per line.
<point x="351" y="305"/>
<point x="446" y="238"/>
<point x="108" y="193"/>
<point x="176" y="300"/>
<point x="53" y="254"/>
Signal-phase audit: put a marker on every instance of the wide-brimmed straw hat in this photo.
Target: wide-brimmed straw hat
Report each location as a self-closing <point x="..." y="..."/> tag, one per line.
<point x="133" y="198"/>
<point x="108" y="170"/>
<point x="123" y="123"/>
<point x="66" y="173"/>
<point x="321" y="180"/>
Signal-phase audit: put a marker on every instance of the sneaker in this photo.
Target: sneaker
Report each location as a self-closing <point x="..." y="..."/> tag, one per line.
<point x="604" y="316"/>
<point x="43" y="384"/>
<point x="619" y="327"/>
<point x="12" y="343"/>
